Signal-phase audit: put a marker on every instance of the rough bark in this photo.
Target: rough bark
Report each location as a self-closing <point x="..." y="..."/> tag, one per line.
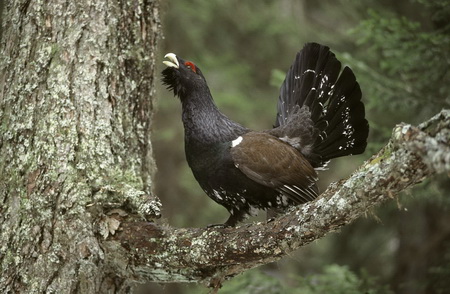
<point x="148" y="252"/>
<point x="76" y="92"/>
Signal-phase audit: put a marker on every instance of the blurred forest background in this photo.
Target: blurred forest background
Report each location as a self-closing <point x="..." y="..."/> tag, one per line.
<point x="400" y="53"/>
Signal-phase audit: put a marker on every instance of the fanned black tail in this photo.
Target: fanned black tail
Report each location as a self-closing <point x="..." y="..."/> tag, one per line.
<point x="337" y="115"/>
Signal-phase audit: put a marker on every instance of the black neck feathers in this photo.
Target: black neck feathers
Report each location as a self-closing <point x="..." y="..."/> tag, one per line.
<point x="203" y="122"/>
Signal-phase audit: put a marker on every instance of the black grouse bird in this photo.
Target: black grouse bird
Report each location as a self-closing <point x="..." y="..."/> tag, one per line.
<point x="320" y="117"/>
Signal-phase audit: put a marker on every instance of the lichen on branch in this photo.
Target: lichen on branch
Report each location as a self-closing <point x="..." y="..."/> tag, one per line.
<point x="152" y="252"/>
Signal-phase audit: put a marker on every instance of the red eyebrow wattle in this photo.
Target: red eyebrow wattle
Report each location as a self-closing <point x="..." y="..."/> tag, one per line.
<point x="190" y="64"/>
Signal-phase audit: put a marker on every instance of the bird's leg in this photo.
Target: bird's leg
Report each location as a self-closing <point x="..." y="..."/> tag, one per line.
<point x="236" y="216"/>
<point x="273" y="213"/>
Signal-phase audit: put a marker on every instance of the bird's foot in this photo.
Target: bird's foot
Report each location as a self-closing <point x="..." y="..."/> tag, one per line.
<point x="218" y="226"/>
<point x="270" y="219"/>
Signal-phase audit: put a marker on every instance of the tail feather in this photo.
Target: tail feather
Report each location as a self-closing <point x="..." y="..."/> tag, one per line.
<point x="315" y="83"/>
<point x="347" y="129"/>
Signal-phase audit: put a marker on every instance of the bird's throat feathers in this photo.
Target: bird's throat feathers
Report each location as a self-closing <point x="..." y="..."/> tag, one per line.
<point x="204" y="123"/>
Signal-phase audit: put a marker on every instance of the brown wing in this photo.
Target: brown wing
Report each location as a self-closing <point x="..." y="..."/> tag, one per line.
<point x="273" y="163"/>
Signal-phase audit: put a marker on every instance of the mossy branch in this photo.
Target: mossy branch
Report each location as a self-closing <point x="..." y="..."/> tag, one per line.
<point x="145" y="251"/>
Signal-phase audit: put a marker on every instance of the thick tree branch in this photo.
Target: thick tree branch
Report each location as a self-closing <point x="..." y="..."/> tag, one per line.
<point x="149" y="252"/>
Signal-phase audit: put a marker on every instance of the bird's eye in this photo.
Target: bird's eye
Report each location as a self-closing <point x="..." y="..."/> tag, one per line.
<point x="191" y="66"/>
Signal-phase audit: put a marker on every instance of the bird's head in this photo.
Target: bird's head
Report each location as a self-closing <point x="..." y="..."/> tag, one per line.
<point x="181" y="76"/>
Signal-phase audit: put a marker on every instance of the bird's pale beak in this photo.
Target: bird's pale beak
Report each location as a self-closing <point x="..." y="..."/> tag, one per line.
<point x="172" y="62"/>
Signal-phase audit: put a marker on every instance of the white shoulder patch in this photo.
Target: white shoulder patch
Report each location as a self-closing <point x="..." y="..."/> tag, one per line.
<point x="236" y="141"/>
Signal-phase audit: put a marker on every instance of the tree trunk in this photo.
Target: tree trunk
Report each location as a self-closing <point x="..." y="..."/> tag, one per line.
<point x="76" y="92"/>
